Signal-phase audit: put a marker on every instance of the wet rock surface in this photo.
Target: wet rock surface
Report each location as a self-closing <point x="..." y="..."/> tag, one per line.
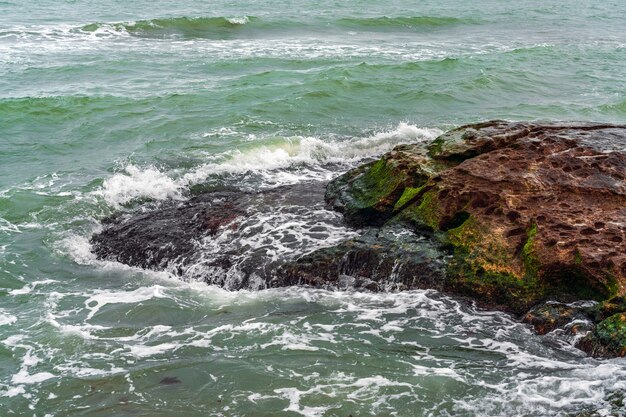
<point x="539" y="206"/>
<point x="387" y="259"/>
<point x="510" y="215"/>
<point x="167" y="236"/>
<point x="553" y="315"/>
<point x="220" y="237"/>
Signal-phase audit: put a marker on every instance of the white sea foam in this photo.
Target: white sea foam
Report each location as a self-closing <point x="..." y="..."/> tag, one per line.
<point x="312" y="151"/>
<point x="8" y="227"/>
<point x="294" y="160"/>
<point x="102" y="298"/>
<point x="238" y="20"/>
<point x="6" y="318"/>
<point x="78" y="248"/>
<point x="399" y="328"/>
<point x="26" y="289"/>
<point x="138" y="183"/>
<point x="265" y="237"/>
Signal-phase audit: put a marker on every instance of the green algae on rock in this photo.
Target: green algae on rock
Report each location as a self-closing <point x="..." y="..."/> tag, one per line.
<point x="608" y="338"/>
<point x="368" y="194"/>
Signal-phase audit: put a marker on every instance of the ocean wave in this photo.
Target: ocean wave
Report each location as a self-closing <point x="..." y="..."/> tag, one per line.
<point x="311" y="151"/>
<point x="281" y="161"/>
<point x="183" y="26"/>
<point x="135" y="182"/>
<point x="222" y="26"/>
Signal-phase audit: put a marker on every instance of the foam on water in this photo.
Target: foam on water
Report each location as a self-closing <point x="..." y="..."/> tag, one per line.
<point x="262" y="240"/>
<point x="293" y="160"/>
<point x="422" y="338"/>
<point x="83" y="336"/>
<point x="138" y="183"/>
<point x="79" y="249"/>
<point x="6" y="318"/>
<point x="309" y="155"/>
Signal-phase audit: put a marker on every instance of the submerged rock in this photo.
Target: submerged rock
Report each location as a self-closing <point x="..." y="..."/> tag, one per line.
<point x="224" y="238"/>
<point x="157" y="239"/>
<point x="553" y="315"/>
<point x="391" y="258"/>
<point x="230" y="238"/>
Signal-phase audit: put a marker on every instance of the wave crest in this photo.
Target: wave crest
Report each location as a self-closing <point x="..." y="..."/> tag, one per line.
<point x="182" y="26"/>
<point x="218" y="27"/>
<point x="271" y="163"/>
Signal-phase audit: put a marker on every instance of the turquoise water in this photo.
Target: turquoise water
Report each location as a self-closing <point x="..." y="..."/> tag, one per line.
<point x="108" y="106"/>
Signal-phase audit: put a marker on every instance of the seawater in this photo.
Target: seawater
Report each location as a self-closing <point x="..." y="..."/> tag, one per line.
<point x="108" y="106"/>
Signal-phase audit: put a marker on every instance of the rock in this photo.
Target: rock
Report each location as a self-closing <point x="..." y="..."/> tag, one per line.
<point x="391" y="258"/>
<point x="170" y="380"/>
<point x="167" y="236"/>
<point x="220" y="236"/>
<point x="510" y="215"/>
<point x="552" y="315"/>
<point x="610" y="307"/>
<point x="608" y="338"/>
<point x="530" y="211"/>
<point x="172" y="237"/>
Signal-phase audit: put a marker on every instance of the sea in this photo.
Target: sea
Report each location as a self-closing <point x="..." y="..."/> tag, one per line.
<point x="113" y="106"/>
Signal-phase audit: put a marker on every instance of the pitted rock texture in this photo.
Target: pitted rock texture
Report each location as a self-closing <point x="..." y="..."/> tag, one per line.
<point x="531" y="211"/>
<point x="550" y="181"/>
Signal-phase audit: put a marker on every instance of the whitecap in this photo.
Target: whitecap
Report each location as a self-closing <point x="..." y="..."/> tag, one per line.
<point x="309" y="155"/>
<point x="6" y="319"/>
<point x="102" y="298"/>
<point x="135" y="182"/>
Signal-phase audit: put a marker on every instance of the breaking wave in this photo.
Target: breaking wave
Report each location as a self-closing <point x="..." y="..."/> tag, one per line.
<point x="288" y="161"/>
<point x="184" y="26"/>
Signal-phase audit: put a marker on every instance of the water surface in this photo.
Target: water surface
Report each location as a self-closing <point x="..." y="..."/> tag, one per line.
<point x="108" y="106"/>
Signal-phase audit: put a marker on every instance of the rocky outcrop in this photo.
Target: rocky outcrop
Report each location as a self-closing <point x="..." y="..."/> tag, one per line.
<point x="521" y="217"/>
<point x="530" y="212"/>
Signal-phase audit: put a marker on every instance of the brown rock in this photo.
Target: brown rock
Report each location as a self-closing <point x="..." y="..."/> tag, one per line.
<point x="531" y="211"/>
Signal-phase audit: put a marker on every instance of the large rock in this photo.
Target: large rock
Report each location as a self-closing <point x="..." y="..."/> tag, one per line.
<point x="530" y="212"/>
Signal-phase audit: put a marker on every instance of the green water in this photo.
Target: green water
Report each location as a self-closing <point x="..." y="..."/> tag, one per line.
<point x="107" y="106"/>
